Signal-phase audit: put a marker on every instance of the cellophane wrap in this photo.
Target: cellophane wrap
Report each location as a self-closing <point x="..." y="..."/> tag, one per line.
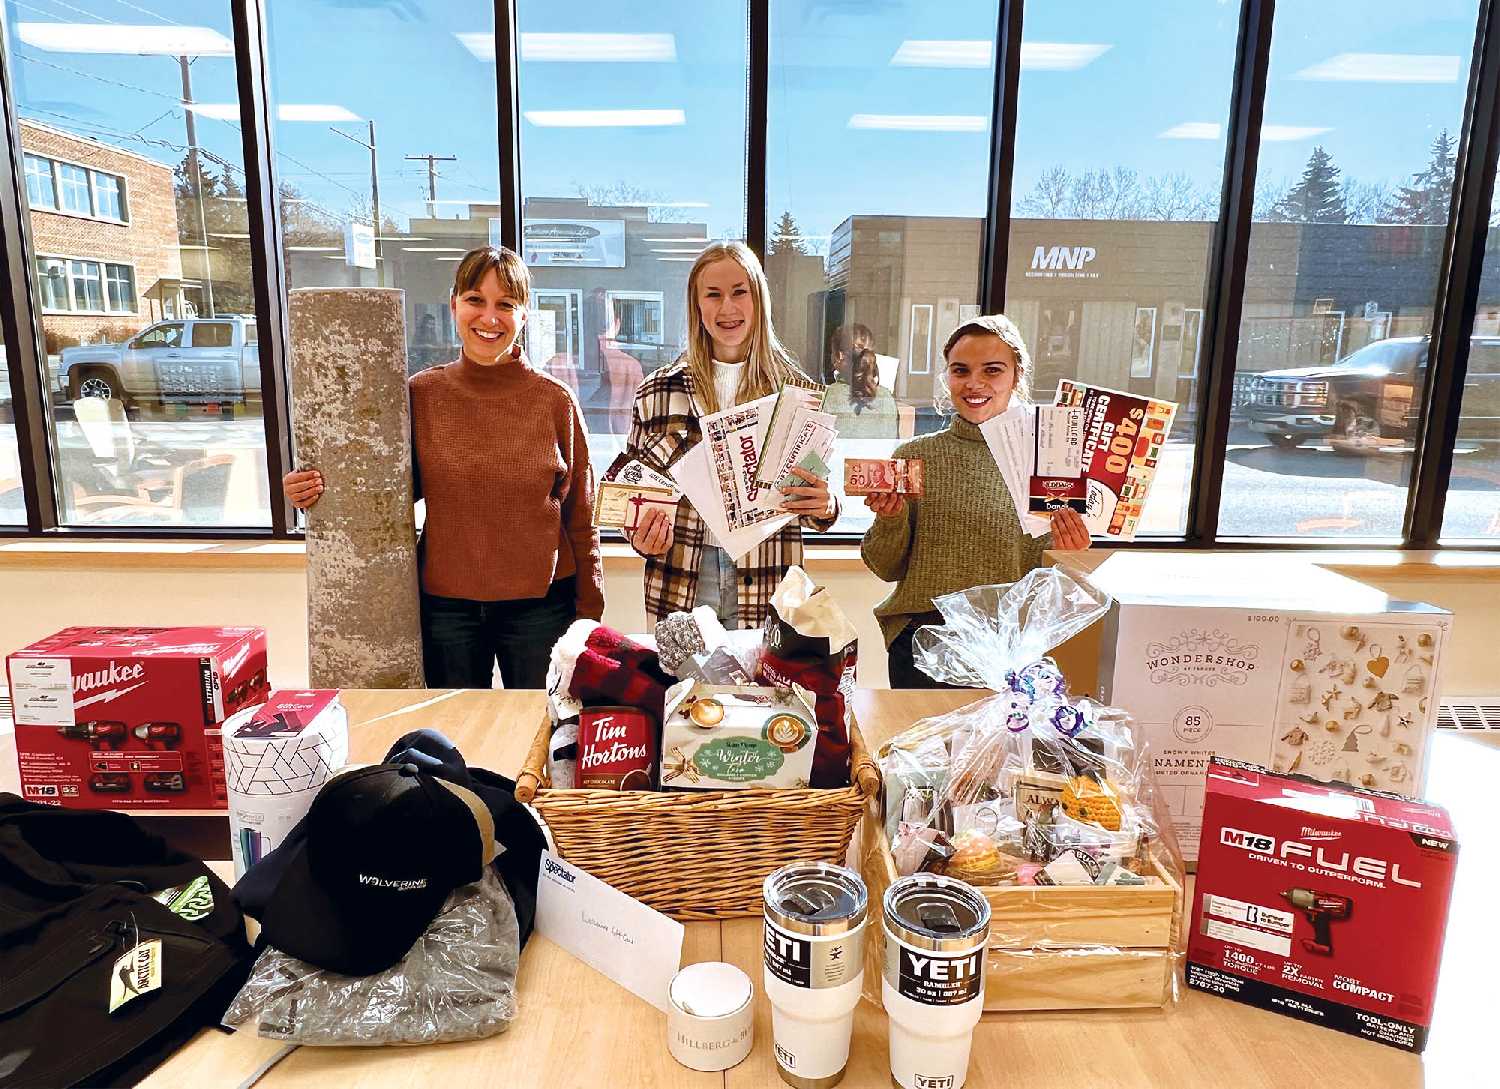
<point x="1029" y="786"/>
<point x="458" y="982"/>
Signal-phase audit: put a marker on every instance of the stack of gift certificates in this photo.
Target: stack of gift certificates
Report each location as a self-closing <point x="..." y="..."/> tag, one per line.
<point x="1093" y="450"/>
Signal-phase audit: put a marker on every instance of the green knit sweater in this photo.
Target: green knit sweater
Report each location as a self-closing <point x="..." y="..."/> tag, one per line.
<point x="963" y="532"/>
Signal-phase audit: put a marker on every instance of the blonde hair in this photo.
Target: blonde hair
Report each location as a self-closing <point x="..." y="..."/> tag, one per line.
<point x="769" y="366"/>
<point x="988" y="325"/>
<point x="515" y="277"/>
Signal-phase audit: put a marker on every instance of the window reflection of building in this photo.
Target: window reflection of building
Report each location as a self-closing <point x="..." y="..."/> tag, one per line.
<point x="104" y="229"/>
<point x="610" y="281"/>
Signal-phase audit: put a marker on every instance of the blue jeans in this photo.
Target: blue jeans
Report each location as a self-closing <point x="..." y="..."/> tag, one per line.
<point x="463" y="640"/>
<point x="718" y="586"/>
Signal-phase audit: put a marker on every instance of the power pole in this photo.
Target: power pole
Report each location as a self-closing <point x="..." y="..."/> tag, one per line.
<point x="374" y="194"/>
<point x="196" y="179"/>
<point x="432" y="161"/>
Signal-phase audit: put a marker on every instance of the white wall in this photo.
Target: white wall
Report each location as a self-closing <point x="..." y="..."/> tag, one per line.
<point x="40" y="593"/>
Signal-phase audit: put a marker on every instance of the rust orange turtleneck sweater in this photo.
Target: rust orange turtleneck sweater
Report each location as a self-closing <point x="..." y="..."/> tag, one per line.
<point x="501" y="458"/>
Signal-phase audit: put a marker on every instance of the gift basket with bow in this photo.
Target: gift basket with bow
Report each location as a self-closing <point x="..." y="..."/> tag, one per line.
<point x="1045" y="802"/>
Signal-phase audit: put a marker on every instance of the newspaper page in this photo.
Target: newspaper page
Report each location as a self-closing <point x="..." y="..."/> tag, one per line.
<point x="734" y="438"/>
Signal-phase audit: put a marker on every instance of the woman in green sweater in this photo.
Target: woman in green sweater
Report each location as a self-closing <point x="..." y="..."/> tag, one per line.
<point x="963" y="531"/>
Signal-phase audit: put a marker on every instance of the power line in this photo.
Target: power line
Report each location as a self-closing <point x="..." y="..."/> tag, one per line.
<point x="81" y="11"/>
<point x="147" y="11"/>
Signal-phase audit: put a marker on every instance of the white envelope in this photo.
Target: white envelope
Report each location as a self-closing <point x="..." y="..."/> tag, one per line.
<point x="1011" y="439"/>
<point x="634" y="945"/>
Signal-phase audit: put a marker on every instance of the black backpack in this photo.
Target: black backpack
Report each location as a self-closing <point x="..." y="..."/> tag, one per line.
<point x="77" y="891"/>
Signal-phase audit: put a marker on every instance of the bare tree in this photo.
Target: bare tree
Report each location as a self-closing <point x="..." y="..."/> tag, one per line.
<point x="1117" y="193"/>
<point x="1049" y="197"/>
<point x="620" y="193"/>
<point x="1175" y="197"/>
<point x="1367" y="201"/>
<point x="1269" y="192"/>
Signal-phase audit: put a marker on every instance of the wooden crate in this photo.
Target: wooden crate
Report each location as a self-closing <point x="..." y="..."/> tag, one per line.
<point x="1059" y="948"/>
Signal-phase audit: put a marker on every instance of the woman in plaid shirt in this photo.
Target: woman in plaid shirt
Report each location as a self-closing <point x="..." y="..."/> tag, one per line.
<point x="732" y="357"/>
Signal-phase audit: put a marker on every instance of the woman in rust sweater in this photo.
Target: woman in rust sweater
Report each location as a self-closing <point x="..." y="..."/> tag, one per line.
<point x="508" y="554"/>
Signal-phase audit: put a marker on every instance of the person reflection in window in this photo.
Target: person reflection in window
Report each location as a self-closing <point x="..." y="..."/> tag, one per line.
<point x="865" y="409"/>
<point x="621" y="374"/>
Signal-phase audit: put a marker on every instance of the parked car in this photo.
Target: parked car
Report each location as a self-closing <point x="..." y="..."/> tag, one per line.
<point x="191" y="361"/>
<point x="1371" y="397"/>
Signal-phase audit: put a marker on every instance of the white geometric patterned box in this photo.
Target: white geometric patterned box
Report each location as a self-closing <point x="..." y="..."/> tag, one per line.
<point x="1271" y="661"/>
<point x="276" y="758"/>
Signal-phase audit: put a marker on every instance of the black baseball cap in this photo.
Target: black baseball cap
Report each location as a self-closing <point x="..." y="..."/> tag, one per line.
<point x="381" y="848"/>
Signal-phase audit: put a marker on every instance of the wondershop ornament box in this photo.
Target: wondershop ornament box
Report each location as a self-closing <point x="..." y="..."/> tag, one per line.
<point x="1324" y="903"/>
<point x="1275" y="662"/>
<point x="130" y="718"/>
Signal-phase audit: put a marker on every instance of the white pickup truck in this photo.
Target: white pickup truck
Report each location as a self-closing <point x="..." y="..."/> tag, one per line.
<point x="188" y="361"/>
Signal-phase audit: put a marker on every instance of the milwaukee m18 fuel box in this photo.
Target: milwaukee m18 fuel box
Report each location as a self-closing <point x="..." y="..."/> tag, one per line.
<point x="1322" y="902"/>
<point x="129" y="718"/>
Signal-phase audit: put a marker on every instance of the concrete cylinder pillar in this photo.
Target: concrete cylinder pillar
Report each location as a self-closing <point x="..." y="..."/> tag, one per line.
<point x="351" y="420"/>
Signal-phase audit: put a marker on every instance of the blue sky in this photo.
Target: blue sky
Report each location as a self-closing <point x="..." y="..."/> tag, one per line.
<point x="1156" y="67"/>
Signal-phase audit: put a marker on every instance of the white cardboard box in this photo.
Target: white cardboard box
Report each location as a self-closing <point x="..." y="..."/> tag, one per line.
<point x="1271" y="661"/>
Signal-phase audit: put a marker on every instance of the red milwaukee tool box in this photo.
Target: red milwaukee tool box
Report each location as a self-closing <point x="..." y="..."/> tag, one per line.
<point x="129" y="718"/>
<point x="1322" y="902"/>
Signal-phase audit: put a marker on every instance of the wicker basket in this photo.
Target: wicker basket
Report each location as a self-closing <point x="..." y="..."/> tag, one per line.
<point x="699" y="854"/>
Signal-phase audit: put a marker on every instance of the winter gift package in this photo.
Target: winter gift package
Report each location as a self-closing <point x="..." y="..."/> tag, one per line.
<point x="1046" y="804"/>
<point x="1326" y="903"/>
<point x="685" y="766"/>
<point x="130" y="718"/>
<point x="1275" y="663"/>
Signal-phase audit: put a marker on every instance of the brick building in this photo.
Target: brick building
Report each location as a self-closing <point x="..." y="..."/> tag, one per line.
<point x="104" y="231"/>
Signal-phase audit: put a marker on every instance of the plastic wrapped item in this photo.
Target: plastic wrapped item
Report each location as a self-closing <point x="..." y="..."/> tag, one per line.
<point x="1046" y="803"/>
<point x="457" y="983"/>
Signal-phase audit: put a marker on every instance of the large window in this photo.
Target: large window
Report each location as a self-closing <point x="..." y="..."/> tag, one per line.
<point x="1350" y="221"/>
<point x="1472" y="509"/>
<point x="12" y="499"/>
<point x="632" y="159"/>
<point x="393" y="135"/>
<point x="133" y="125"/>
<point x="1116" y="191"/>
<point x="40" y="190"/>
<point x="877" y="167"/>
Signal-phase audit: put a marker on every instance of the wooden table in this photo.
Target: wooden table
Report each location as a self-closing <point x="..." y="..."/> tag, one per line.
<point x="576" y="1028"/>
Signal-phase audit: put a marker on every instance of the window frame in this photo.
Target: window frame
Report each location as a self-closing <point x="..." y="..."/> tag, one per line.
<point x="1478" y="139"/>
<point x="47" y="171"/>
<point x="634" y="295"/>
<point x="911" y="329"/>
<point x="66" y="183"/>
<point x="573" y="312"/>
<point x="67" y="261"/>
<point x="92" y="174"/>
<point x="1147" y="369"/>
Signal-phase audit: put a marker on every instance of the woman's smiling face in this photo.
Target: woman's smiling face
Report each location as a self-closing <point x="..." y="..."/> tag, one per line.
<point x="726" y="306"/>
<point x="488" y="319"/>
<point x="981" y="377"/>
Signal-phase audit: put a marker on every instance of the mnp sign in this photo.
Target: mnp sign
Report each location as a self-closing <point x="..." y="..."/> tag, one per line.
<point x="1060" y="262"/>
